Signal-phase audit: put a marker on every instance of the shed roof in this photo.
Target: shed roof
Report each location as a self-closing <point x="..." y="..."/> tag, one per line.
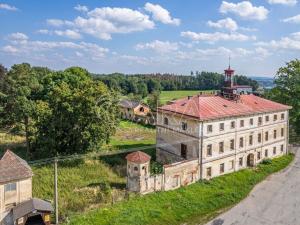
<point x="208" y="107"/>
<point x="30" y="206"/>
<point x="138" y="157"/>
<point x="13" y="168"/>
<point x="129" y="103"/>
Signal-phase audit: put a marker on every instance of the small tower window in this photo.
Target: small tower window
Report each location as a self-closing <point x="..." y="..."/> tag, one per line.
<point x="135" y="168"/>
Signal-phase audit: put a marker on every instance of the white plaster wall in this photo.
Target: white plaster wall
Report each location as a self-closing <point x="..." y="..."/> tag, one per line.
<point x="1" y="202"/>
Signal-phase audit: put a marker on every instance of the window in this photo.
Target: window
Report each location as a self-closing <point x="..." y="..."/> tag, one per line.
<point x="282" y="116"/>
<point x="241" y="123"/>
<point x="251" y="140"/>
<point x="266" y="136"/>
<point x="166" y="121"/>
<point x="135" y="168"/>
<point x="184" y="126"/>
<point x="10" y="187"/>
<point x="142" y="109"/>
<point x="221" y="126"/>
<point x="281" y="148"/>
<point x="275" y="134"/>
<point x="259" y="138"/>
<point x="258" y="156"/>
<point x="267" y="118"/>
<point x="241" y="161"/>
<point x="209" y="128"/>
<point x="221" y="147"/>
<point x="231" y="164"/>
<point x="282" y="132"/>
<point x="241" y="142"/>
<point x="251" y="121"/>
<point x="209" y="150"/>
<point x="222" y="168"/>
<point x="259" y="121"/>
<point x="232" y="124"/>
<point x="232" y="144"/>
<point x="274" y="150"/>
<point x="266" y="153"/>
<point x="275" y="117"/>
<point x="208" y="172"/>
<point x="183" y="151"/>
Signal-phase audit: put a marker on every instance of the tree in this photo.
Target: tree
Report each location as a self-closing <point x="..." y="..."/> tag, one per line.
<point x="287" y="90"/>
<point x="3" y="72"/>
<point x="17" y="99"/>
<point x="77" y="115"/>
<point x="153" y="100"/>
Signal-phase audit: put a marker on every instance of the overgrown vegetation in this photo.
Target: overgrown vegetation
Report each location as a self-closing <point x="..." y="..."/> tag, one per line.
<point x="194" y="204"/>
<point x="60" y="112"/>
<point x="287" y="91"/>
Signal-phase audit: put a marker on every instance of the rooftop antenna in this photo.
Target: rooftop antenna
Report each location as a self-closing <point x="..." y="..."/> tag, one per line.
<point x="229" y="60"/>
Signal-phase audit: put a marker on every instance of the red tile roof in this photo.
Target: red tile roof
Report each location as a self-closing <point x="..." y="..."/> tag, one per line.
<point x="213" y="107"/>
<point x="138" y="157"/>
<point x="13" y="168"/>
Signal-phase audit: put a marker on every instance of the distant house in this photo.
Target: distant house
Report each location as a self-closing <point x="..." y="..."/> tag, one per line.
<point x="135" y="111"/>
<point x="16" y="203"/>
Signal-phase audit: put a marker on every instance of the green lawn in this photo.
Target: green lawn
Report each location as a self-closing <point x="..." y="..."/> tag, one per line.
<point x="90" y="183"/>
<point x="194" y="204"/>
<point x="166" y="96"/>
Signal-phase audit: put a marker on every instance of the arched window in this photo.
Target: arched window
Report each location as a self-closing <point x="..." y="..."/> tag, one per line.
<point x="166" y="121"/>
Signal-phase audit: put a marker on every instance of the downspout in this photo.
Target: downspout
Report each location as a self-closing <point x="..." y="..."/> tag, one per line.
<point x="287" y="133"/>
<point x="201" y="153"/>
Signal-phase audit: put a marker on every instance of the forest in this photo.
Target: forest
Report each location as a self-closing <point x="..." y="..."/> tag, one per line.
<point x="144" y="84"/>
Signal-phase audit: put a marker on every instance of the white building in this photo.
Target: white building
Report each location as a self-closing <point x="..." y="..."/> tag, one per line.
<point x="225" y="132"/>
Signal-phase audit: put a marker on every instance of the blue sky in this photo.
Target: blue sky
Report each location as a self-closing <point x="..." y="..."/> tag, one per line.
<point x="151" y="36"/>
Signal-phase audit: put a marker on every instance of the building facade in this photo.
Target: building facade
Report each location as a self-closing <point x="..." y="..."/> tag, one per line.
<point x="225" y="132"/>
<point x="16" y="203"/>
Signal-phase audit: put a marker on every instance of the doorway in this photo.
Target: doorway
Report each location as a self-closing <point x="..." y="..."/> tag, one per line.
<point x="250" y="160"/>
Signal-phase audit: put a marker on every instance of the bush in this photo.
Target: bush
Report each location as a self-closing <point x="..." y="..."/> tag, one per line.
<point x="266" y="161"/>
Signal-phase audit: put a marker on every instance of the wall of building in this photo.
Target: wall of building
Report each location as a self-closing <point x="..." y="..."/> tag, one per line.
<point x="23" y="193"/>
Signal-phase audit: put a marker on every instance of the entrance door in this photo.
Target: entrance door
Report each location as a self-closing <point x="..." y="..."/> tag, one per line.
<point x="250" y="160"/>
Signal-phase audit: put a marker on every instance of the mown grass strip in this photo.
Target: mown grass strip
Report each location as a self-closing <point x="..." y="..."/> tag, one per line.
<point x="195" y="203"/>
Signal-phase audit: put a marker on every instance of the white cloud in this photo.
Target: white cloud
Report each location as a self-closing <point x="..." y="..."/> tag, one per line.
<point x="68" y="33"/>
<point x="18" y="36"/>
<point x="293" y="19"/>
<point x="161" y="14"/>
<point x="227" y="23"/>
<point x="10" y="49"/>
<point x="103" y="22"/>
<point x="291" y="42"/>
<point x="262" y="52"/>
<point x="158" y="46"/>
<point x="55" y="22"/>
<point x="44" y="31"/>
<point x="283" y="2"/>
<point x="217" y="36"/>
<point x="81" y="8"/>
<point x="8" y="7"/>
<point x="244" y="9"/>
<point x="19" y="43"/>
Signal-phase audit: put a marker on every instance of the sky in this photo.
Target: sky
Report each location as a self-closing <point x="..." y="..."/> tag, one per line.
<point x="165" y="36"/>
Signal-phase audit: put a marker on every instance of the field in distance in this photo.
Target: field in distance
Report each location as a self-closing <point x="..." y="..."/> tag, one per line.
<point x="166" y="96"/>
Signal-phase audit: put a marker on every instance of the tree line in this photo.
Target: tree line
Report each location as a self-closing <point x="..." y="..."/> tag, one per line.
<point x="144" y="84"/>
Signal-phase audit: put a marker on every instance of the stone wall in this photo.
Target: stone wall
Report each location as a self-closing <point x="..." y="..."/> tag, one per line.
<point x="174" y="176"/>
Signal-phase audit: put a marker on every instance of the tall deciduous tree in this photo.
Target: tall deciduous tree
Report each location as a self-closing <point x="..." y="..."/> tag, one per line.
<point x="77" y="115"/>
<point x="17" y="98"/>
<point x="287" y="90"/>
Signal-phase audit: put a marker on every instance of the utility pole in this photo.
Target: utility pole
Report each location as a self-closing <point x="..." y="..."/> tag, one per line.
<point x="55" y="191"/>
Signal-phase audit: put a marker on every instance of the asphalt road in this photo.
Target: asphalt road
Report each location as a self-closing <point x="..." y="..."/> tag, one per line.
<point x="274" y="201"/>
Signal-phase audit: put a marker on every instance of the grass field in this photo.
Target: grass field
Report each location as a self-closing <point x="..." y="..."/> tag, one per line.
<point x="166" y="96"/>
<point x="90" y="183"/>
<point x="194" y="204"/>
